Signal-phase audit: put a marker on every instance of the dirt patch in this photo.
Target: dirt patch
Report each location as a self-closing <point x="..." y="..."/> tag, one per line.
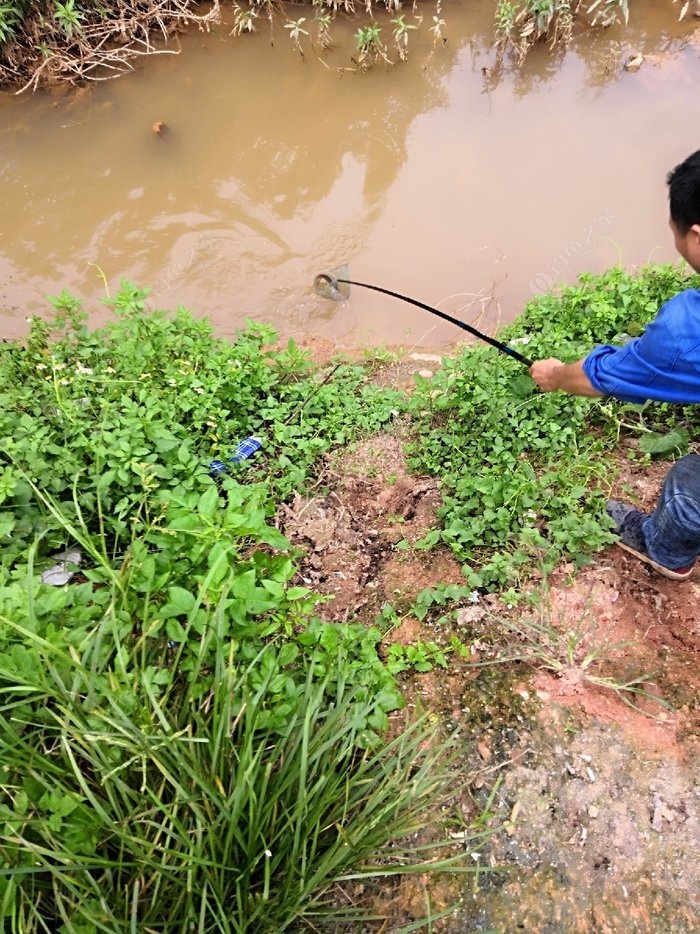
<point x="589" y="787"/>
<point x="349" y="531"/>
<point x="601" y="829"/>
<point x="642" y="625"/>
<point x="599" y="836"/>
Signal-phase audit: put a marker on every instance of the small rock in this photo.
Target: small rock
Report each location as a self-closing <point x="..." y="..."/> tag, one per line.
<point x="484" y="751"/>
<point x="593" y="811"/>
<point x="470" y="614"/>
<point x="426" y="357"/>
<point x="661" y="812"/>
<point x="634" y="62"/>
<point x="426" y="374"/>
<point x="61" y="573"/>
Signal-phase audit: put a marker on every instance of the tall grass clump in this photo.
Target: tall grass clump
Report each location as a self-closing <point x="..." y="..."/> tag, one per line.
<point x="131" y="800"/>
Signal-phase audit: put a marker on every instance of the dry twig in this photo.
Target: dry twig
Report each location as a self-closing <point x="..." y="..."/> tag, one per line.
<point x="102" y="46"/>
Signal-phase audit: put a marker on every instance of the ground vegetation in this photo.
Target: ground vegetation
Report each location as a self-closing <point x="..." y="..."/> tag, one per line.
<point x="216" y="705"/>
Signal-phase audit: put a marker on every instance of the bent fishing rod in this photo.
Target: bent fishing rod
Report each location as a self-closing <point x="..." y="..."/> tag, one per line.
<point x="332" y="285"/>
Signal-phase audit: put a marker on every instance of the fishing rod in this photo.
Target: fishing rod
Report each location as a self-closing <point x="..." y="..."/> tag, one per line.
<point x="332" y="285"/>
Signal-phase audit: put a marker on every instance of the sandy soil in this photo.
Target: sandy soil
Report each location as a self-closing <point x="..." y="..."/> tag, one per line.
<point x="592" y="791"/>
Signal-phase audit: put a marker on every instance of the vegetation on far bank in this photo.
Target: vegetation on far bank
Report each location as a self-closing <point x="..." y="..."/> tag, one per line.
<point x="184" y="743"/>
<point x="73" y="41"/>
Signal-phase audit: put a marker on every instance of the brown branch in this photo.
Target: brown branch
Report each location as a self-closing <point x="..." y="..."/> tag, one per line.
<point x="43" y="55"/>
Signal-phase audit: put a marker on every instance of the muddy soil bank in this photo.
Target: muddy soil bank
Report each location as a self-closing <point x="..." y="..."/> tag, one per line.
<point x="591" y="790"/>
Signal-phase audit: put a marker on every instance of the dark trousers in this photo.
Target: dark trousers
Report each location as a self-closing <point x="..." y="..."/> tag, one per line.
<point x="672" y="533"/>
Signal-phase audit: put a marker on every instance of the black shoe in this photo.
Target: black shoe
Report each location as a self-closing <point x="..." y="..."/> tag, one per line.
<point x="628" y="522"/>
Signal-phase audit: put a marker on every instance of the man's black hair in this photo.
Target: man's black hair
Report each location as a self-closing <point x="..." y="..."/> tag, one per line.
<point x="684" y="193"/>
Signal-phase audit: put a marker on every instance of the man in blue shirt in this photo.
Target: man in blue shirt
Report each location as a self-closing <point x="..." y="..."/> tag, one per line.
<point x="663" y="364"/>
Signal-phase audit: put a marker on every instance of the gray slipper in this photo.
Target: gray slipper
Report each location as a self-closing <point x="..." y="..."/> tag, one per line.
<point x="629" y="526"/>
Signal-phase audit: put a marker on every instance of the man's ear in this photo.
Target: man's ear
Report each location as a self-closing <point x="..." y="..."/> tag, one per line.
<point x="695" y="232"/>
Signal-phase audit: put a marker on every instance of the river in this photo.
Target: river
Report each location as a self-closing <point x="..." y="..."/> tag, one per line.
<point x="461" y="184"/>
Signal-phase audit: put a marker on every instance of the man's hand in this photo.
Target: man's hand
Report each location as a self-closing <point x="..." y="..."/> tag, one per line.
<point x="551" y="375"/>
<point x="545" y="373"/>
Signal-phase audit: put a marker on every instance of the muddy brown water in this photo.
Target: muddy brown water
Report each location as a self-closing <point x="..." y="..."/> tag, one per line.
<point x="457" y="183"/>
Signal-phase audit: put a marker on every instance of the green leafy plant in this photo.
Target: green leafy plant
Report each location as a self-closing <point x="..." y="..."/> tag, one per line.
<point x="147" y="402"/>
<point x="524" y="475"/>
<point x="421" y="656"/>
<point x="674" y="441"/>
<point x="506" y="18"/>
<point x="402" y="30"/>
<point x="370" y="46"/>
<point x="441" y="596"/>
<point x="10" y="18"/>
<point x="68" y="17"/>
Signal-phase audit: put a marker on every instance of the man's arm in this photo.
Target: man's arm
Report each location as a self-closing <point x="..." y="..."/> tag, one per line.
<point x="551" y="375"/>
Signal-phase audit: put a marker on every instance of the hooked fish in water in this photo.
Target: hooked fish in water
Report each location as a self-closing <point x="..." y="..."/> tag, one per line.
<point x="325" y="286"/>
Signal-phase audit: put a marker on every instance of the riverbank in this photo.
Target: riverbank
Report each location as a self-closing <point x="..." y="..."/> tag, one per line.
<point x="50" y="43"/>
<point x="401" y="543"/>
<point x="589" y="787"/>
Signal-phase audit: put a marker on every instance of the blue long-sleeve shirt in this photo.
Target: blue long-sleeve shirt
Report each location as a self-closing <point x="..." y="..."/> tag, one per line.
<point x="663" y="364"/>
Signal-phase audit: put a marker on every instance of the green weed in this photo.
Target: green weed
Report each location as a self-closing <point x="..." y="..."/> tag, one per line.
<point x="576" y="650"/>
<point x="184" y="744"/>
<point x="420" y="656"/>
<point x="146" y="403"/>
<point x="68" y="17"/>
<point x="370" y="46"/>
<point x="11" y="14"/>
<point x="524" y="475"/>
<point x="130" y="801"/>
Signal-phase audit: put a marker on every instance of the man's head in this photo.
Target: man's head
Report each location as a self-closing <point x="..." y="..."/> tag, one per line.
<point x="684" y="200"/>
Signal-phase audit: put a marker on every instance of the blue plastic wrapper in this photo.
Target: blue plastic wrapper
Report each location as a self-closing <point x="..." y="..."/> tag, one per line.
<point x="245" y="449"/>
<point x="217" y="467"/>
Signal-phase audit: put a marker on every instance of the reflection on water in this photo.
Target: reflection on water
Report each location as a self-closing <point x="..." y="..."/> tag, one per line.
<point x="454" y="178"/>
